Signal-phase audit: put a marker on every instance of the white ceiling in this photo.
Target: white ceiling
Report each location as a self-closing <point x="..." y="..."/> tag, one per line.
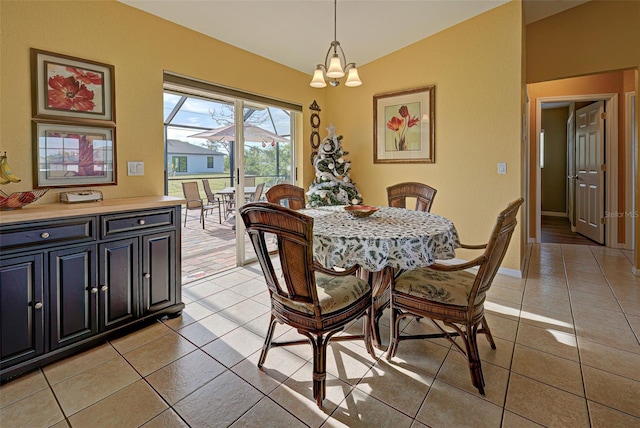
<point x="297" y="33"/>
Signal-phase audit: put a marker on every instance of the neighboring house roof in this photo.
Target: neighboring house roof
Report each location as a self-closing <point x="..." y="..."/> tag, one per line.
<point x="184" y="148"/>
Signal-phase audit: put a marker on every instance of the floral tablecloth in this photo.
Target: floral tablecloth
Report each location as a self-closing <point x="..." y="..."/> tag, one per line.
<point x="391" y="237"/>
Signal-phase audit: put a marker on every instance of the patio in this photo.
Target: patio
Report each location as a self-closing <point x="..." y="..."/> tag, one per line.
<point x="206" y="251"/>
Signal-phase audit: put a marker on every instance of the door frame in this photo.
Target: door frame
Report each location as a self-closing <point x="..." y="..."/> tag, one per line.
<point x="611" y="154"/>
<point x="631" y="169"/>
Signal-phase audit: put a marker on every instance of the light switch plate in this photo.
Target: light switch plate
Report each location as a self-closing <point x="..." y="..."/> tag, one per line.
<point x="135" y="168"/>
<point x="502" y="167"/>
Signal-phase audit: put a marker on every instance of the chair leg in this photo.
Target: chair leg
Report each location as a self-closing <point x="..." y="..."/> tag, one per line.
<point x="319" y="345"/>
<point x="473" y="357"/>
<point x="394" y="338"/>
<point x="186" y="212"/>
<point x="202" y="217"/>
<point x="487" y="332"/>
<point x="267" y="341"/>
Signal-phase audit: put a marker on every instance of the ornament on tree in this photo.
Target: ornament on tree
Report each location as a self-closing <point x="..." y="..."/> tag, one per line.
<point x="333" y="185"/>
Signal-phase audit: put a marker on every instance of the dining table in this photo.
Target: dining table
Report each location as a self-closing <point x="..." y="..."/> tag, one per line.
<point x="386" y="243"/>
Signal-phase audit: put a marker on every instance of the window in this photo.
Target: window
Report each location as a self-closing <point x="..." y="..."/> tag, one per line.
<point x="179" y="164"/>
<point x="210" y="162"/>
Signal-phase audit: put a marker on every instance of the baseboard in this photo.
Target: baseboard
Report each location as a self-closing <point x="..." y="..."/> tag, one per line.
<point x="553" y="214"/>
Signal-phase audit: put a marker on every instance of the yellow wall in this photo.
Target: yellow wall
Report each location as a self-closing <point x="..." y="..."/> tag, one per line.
<point x="595" y="37"/>
<point x="475" y="66"/>
<point x="476" y="69"/>
<point x="140" y="46"/>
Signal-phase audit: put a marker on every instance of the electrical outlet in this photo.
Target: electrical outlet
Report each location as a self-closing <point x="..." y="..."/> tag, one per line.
<point x="502" y="167"/>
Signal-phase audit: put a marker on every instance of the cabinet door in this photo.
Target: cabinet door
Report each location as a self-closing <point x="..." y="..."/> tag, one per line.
<point x="73" y="294"/>
<point x="118" y="286"/>
<point x="21" y="309"/>
<point x="158" y="271"/>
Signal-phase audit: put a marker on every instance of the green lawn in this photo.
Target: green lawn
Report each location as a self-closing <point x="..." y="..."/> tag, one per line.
<point x="216" y="181"/>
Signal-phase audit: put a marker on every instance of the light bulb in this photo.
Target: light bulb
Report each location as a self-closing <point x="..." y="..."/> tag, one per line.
<point x="335" y="68"/>
<point x="352" y="78"/>
<point x="318" y="78"/>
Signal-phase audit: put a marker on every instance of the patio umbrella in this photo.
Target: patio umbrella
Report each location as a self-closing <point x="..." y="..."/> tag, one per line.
<point x="251" y="133"/>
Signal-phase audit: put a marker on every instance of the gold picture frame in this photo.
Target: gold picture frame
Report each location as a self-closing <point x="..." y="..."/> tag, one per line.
<point x="404" y="126"/>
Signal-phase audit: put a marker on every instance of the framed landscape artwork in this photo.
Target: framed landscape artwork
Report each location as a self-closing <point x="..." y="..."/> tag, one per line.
<point x="404" y="126"/>
<point x="70" y="155"/>
<point x="71" y="89"/>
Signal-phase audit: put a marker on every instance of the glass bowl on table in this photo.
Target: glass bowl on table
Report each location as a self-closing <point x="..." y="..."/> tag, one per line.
<point x="360" y="211"/>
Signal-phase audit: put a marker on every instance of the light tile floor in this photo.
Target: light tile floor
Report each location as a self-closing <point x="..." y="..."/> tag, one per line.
<point x="568" y="355"/>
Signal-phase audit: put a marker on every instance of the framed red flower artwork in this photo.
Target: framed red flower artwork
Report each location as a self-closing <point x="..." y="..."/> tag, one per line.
<point x="404" y="126"/>
<point x="71" y="89"/>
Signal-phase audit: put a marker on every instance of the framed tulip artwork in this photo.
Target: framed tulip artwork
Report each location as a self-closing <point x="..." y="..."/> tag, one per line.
<point x="404" y="126"/>
<point x="70" y="155"/>
<point x="71" y="89"/>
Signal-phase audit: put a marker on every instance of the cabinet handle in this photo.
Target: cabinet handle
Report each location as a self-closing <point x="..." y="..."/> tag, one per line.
<point x="94" y="290"/>
<point x="44" y="235"/>
<point x="141" y="222"/>
<point x="147" y="275"/>
<point x="38" y="305"/>
<point x="104" y="288"/>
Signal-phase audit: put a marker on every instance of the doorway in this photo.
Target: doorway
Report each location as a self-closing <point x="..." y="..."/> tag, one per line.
<point x="610" y="155"/>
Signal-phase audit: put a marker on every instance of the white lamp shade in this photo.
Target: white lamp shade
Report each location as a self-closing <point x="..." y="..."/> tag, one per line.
<point x="335" y="68"/>
<point x="352" y="78"/>
<point x="318" y="79"/>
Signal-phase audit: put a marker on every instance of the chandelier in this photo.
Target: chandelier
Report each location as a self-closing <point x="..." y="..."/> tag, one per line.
<point x="332" y="67"/>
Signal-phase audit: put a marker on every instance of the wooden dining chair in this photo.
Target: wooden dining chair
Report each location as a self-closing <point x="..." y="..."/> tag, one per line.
<point x="288" y="195"/>
<point x="451" y="296"/>
<point x="316" y="301"/>
<point x="196" y="202"/>
<point x="398" y="194"/>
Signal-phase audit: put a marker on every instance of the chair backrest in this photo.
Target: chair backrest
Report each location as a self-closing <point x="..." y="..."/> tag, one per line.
<point x="258" y="193"/>
<point x="294" y="233"/>
<point x="249" y="181"/>
<point x="495" y="251"/>
<point x="293" y="195"/>
<point x="192" y="195"/>
<point x="207" y="191"/>
<point x="398" y="194"/>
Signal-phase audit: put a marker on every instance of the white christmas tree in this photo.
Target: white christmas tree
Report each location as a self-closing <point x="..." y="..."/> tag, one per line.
<point x="333" y="185"/>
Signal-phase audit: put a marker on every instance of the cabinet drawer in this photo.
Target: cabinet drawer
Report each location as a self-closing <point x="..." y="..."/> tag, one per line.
<point x="135" y="221"/>
<point x="47" y="233"/>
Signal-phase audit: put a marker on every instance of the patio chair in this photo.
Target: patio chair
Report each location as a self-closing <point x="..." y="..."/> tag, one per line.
<point x="451" y="296"/>
<point x="257" y="195"/>
<point x="398" y="193"/>
<point x="195" y="202"/>
<point x="316" y="301"/>
<point x="211" y="197"/>
<point x="288" y="195"/>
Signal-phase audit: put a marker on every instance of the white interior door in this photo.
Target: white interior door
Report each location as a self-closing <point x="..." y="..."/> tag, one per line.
<point x="590" y="171"/>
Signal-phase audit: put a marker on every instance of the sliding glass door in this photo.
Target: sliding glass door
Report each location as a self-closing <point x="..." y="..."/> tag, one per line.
<point x="240" y="144"/>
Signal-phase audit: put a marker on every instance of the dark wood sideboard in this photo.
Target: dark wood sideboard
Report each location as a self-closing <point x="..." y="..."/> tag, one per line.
<point x="73" y="276"/>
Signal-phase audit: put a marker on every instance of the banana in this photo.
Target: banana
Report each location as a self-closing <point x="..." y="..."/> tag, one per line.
<point x="6" y="175"/>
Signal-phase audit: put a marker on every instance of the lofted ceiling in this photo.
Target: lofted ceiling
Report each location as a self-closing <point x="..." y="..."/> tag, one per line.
<point x="297" y="33"/>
